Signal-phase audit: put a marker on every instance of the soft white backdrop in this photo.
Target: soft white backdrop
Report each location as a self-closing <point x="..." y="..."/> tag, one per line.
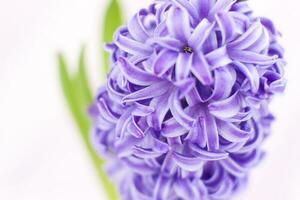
<point x="41" y="155"/>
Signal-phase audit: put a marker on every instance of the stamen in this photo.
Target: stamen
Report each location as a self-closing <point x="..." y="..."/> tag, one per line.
<point x="187" y="49"/>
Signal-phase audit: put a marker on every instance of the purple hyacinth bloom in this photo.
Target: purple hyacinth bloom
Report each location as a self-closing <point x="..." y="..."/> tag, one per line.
<point x="185" y="107"/>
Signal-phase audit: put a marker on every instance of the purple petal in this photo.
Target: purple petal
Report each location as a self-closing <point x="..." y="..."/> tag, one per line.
<point x="225" y="108"/>
<point x="99" y="141"/>
<point x="106" y="112"/>
<point x="160" y="104"/>
<point x="135" y="75"/>
<point x="224" y="191"/>
<point x="168" y="43"/>
<point x="161" y="30"/>
<point x="112" y="92"/>
<point x="202" y="7"/>
<point x="124" y="146"/>
<point x="131" y="46"/>
<point x="227" y="26"/>
<point x="233" y="168"/>
<point x="244" y="115"/>
<point x="172" y="129"/>
<point x="153" y="143"/>
<point x="183" y="65"/>
<point x="261" y="44"/>
<point x="186" y="190"/>
<point x="220" y="5"/>
<point x="207" y="155"/>
<point x="251" y="73"/>
<point x="169" y="166"/>
<point x="223" y="75"/>
<point x="218" y="57"/>
<point x="232" y="147"/>
<point x="178" y="24"/>
<point x="193" y="97"/>
<point x="201" y="187"/>
<point x="269" y="25"/>
<point x="211" y="130"/>
<point x="252" y="57"/>
<point x="105" y="125"/>
<point x="142" y="110"/>
<point x="162" y="188"/>
<point x="178" y="113"/>
<point x="122" y="124"/>
<point x="189" y="7"/>
<point x="160" y="18"/>
<point x="249" y="159"/>
<point x="164" y="61"/>
<point x="134" y="129"/>
<point x="211" y="43"/>
<point x="200" y="34"/>
<point x="137" y="189"/>
<point x="277" y="86"/>
<point x="216" y="174"/>
<point x="242" y="7"/>
<point x="248" y="38"/>
<point x="255" y="141"/>
<point x="149" y="92"/>
<point x="201" y="69"/>
<point x="136" y="28"/>
<point x="146" y="153"/>
<point x="188" y="163"/>
<point x="242" y="22"/>
<point x="197" y="133"/>
<point x="138" y="166"/>
<point x="232" y="133"/>
<point x="185" y="86"/>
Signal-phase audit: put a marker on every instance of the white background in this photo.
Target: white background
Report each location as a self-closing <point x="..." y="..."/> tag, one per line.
<point x="41" y="155"/>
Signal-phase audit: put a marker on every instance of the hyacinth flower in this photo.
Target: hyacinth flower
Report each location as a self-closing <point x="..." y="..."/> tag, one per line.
<point x="184" y="110"/>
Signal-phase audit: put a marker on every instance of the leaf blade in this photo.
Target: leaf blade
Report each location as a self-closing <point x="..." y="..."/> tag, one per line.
<point x="83" y="80"/>
<point x="67" y="86"/>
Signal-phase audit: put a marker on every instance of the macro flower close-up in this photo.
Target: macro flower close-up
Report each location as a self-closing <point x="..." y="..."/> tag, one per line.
<point x="185" y="107"/>
<point x="149" y="100"/>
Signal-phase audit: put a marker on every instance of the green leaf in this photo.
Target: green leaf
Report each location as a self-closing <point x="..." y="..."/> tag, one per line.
<point x="112" y="20"/>
<point x="68" y="90"/>
<point x="83" y="81"/>
<point x="82" y="91"/>
<point x="78" y="96"/>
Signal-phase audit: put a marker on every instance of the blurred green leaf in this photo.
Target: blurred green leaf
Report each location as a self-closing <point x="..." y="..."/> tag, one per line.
<point x="78" y="93"/>
<point x="70" y="95"/>
<point x="78" y="96"/>
<point x="112" y="20"/>
<point x="83" y="84"/>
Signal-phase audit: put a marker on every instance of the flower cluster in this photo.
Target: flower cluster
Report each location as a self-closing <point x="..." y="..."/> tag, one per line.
<point x="185" y="107"/>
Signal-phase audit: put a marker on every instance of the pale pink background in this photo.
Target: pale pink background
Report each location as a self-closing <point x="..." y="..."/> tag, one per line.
<point x="41" y="156"/>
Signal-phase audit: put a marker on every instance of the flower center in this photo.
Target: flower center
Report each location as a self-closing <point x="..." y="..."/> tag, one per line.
<point x="188" y="50"/>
